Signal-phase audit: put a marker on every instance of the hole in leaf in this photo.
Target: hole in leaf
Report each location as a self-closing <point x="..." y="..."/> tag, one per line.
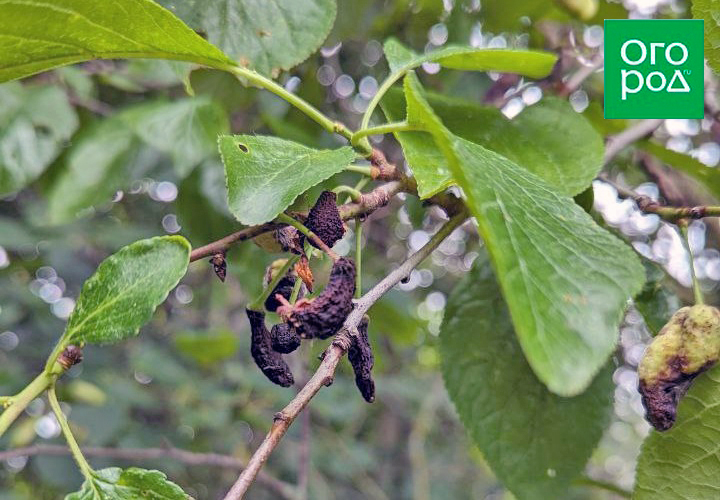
<point x="243" y="148"/>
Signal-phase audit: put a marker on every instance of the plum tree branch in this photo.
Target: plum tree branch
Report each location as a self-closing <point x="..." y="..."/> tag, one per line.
<point x="324" y="375"/>
<point x="371" y="201"/>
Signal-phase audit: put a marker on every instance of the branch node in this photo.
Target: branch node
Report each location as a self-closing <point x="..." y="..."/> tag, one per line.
<point x="281" y="417"/>
<point x="72" y="355"/>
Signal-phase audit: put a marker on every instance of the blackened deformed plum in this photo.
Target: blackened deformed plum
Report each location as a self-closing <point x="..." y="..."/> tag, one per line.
<point x="324" y="219"/>
<point x="284" y="287"/>
<point x="284" y="338"/>
<point x="362" y="360"/>
<point x="269" y="361"/>
<point x="324" y="315"/>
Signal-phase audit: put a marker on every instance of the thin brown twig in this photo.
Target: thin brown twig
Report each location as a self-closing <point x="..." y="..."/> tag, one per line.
<point x="371" y="201"/>
<point x="670" y="214"/>
<point x="618" y="142"/>
<point x="578" y="78"/>
<point x="332" y="356"/>
<point x="281" y="488"/>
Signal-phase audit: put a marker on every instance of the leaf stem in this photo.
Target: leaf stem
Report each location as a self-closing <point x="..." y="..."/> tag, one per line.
<point x="20" y="401"/>
<point x="382" y="90"/>
<point x="360" y="169"/>
<point x="358" y="257"/>
<point x="387" y="128"/>
<point x="285" y="218"/>
<point x="355" y="195"/>
<point x="296" y="290"/>
<point x="311" y="111"/>
<point x="697" y="290"/>
<point x="77" y="454"/>
<point x="258" y="303"/>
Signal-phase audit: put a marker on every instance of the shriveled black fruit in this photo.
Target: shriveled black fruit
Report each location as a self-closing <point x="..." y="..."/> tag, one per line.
<point x="284" y="338"/>
<point x="269" y="361"/>
<point x="324" y="315"/>
<point x="687" y="345"/>
<point x="324" y="219"/>
<point x="362" y="360"/>
<point x="284" y="287"/>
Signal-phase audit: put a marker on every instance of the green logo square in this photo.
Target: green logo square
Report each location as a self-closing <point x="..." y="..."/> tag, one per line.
<point x="654" y="68"/>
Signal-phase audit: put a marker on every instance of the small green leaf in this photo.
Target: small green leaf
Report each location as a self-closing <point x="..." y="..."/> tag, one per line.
<point x="39" y="35"/>
<point x="707" y="176"/>
<point x="266" y="174"/>
<point x="535" y="442"/>
<point x="186" y="129"/>
<point x="532" y="63"/>
<point x="709" y="11"/>
<point x="565" y="279"/>
<point x="208" y="347"/>
<point x="114" y="483"/>
<point x="265" y="35"/>
<point x="683" y="462"/>
<point x="125" y="290"/>
<point x="35" y="123"/>
<point x="537" y="140"/>
<point x="93" y="169"/>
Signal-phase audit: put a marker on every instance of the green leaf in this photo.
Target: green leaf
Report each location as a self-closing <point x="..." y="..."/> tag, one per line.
<point x="683" y="462"/>
<point x="186" y="129"/>
<point x="208" y="347"/>
<point x="535" y="442"/>
<point x="266" y="174"/>
<point x="532" y="63"/>
<point x="39" y="35"/>
<point x="565" y="279"/>
<point x="125" y="290"/>
<point x="537" y="140"/>
<point x="499" y="15"/>
<point x="93" y="169"/>
<point x="265" y="35"/>
<point x="114" y="483"/>
<point x="709" y="11"/>
<point x="35" y="123"/>
<point x="707" y="176"/>
<point x="655" y="302"/>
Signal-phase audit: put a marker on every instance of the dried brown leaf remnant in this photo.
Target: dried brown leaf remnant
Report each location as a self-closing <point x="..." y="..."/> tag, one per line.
<point x="686" y="346"/>
<point x="302" y="269"/>
<point x="269" y="361"/>
<point x="219" y="265"/>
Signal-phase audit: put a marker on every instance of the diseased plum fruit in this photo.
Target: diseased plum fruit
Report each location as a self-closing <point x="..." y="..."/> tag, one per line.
<point x="323" y="316"/>
<point x="284" y="338"/>
<point x="324" y="219"/>
<point x="269" y="361"/>
<point x="362" y="360"/>
<point x="687" y="345"/>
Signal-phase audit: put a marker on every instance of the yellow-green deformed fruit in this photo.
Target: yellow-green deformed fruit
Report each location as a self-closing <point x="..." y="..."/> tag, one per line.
<point x="686" y="346"/>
